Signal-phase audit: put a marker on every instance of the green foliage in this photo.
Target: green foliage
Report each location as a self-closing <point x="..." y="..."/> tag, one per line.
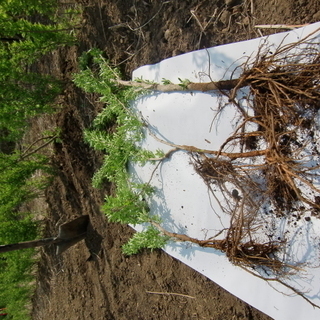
<point x="16" y="183"/>
<point x="17" y="186"/>
<point x="141" y="80"/>
<point x="125" y="207"/>
<point x="129" y="204"/>
<point x="118" y="144"/>
<point x="151" y="238"/>
<point x="117" y="132"/>
<point x="166" y="81"/>
<point x="22" y="8"/>
<point x="24" y="94"/>
<point x="16" y="282"/>
<point x="184" y="83"/>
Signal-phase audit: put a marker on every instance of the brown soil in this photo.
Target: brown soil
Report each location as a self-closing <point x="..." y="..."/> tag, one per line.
<point x="93" y="279"/>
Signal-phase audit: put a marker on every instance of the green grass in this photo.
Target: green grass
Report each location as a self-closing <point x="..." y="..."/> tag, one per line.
<point x="24" y="95"/>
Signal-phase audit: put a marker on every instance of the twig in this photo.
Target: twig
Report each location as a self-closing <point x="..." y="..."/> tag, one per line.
<point x="25" y="154"/>
<point x="196" y="18"/>
<point x="299" y="293"/>
<point x="140" y="27"/>
<point x="230" y="155"/>
<point x="101" y="21"/>
<point x="280" y="26"/>
<point x="171" y="294"/>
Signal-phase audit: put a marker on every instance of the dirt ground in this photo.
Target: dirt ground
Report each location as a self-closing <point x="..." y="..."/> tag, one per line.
<point x="94" y="280"/>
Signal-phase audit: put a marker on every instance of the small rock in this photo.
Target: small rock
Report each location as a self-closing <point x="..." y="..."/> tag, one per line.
<point x="235" y="194"/>
<point x="225" y="16"/>
<point x="229" y="3"/>
<point x="316" y="16"/>
<point x="237" y="9"/>
<point x="167" y="34"/>
<point x="246" y="21"/>
<point x="147" y="36"/>
<point x="176" y="52"/>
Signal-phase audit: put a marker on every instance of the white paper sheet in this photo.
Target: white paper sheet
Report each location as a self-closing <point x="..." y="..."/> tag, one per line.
<point x="182" y="198"/>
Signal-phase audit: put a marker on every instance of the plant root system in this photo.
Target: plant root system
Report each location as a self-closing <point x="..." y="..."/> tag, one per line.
<point x="273" y="164"/>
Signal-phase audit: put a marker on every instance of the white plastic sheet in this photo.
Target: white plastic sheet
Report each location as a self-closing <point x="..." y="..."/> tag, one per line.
<point x="182" y="198"/>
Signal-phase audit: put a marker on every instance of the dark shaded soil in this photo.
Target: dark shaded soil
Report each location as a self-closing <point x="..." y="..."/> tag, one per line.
<point x="93" y="279"/>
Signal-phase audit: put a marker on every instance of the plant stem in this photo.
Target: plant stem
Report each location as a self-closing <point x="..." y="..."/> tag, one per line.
<point x="192" y="86"/>
<point x="172" y="294"/>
